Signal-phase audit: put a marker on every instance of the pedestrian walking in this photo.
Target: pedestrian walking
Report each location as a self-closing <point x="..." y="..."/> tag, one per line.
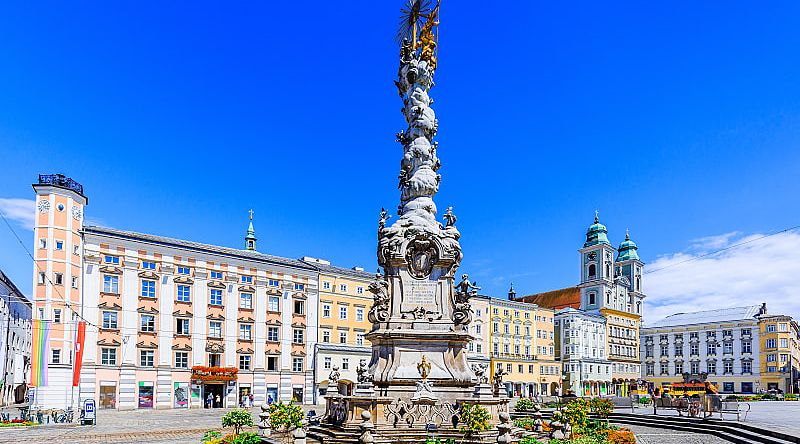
<point x="209" y="400"/>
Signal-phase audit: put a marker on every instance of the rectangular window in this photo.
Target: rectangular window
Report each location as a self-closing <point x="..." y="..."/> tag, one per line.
<point x="108" y="356"/>
<point x="56" y="315"/>
<point x="76" y="250"/>
<point x="272" y="363"/>
<point x="274" y="303"/>
<point x="246" y="300"/>
<point x="771" y="343"/>
<point x="327" y="362"/>
<point x="181" y="326"/>
<point x="272" y="334"/>
<point x="728" y="367"/>
<point x="509" y="368"/>
<point x="747" y="367"/>
<point x="694" y="349"/>
<point x="326" y="336"/>
<point x="345" y="363"/>
<point x="147" y="358"/>
<point x="665" y="350"/>
<point x="299" y="307"/>
<point x="113" y="260"/>
<point x="343" y="337"/>
<point x="244" y="362"/>
<point x="148" y="288"/>
<point x="359" y="339"/>
<point x="59" y="245"/>
<point x="247" y="279"/>
<point x="110" y="320"/>
<point x="74" y="282"/>
<point x="42" y="243"/>
<point x="110" y="284"/>
<point x="747" y="347"/>
<point x="148" y="265"/>
<point x="297" y="336"/>
<point x="181" y="359"/>
<point x="712" y="367"/>
<point x="772" y="358"/>
<point x="274" y="283"/>
<point x="216" y="275"/>
<point x="784" y="342"/>
<point x="342" y="312"/>
<point x="360" y="290"/>
<point x="147" y="324"/>
<point x="184" y="293"/>
<point x="299" y="287"/>
<point x="343" y="288"/>
<point x="359" y="314"/>
<point x="695" y="366"/>
<point x="478" y="348"/>
<point x="55" y="356"/>
<point x="770" y="328"/>
<point x="184" y="270"/>
<point x="679" y="368"/>
<point x="297" y="364"/>
<point x="727" y="348"/>
<point x="42" y="278"/>
<point x="326" y="285"/>
<point x="246" y="332"/>
<point x="215" y="329"/>
<point x="326" y="310"/>
<point x="58" y="279"/>
<point x="215" y="296"/>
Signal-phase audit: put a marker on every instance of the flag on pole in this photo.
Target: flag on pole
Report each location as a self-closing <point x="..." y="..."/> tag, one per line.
<point x="39" y="347"/>
<point x="76" y="370"/>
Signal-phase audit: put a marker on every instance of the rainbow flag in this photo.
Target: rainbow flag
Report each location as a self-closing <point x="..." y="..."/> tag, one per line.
<point x="40" y="346"/>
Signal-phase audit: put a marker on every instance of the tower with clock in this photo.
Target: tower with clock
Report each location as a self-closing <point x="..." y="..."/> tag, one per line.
<point x="597" y="268"/>
<point x="57" y="276"/>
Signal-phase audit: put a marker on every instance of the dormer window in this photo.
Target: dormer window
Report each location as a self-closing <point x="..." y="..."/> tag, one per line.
<point x="247" y="279"/>
<point x="184" y="270"/>
<point x="216" y="275"/>
<point x="114" y="260"/>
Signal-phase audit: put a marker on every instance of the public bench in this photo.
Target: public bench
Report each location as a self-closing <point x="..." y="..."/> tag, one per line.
<point x="717" y="404"/>
<point x="623" y="402"/>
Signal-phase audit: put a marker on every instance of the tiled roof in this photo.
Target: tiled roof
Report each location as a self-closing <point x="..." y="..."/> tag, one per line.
<point x="205" y="248"/>
<point x="556" y="299"/>
<point x="708" y="316"/>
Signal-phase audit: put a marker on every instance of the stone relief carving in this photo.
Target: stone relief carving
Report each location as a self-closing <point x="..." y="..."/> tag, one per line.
<point x="400" y="412"/>
<point x="380" y="300"/>
<point x="421" y="255"/>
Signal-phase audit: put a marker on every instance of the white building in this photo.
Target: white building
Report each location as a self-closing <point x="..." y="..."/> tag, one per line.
<point x="15" y="342"/>
<point x="581" y="337"/>
<point x="720" y="346"/>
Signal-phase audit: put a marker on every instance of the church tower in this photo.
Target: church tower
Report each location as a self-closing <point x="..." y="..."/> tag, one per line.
<point x="629" y="266"/>
<point x="597" y="268"/>
<point x="250" y="239"/>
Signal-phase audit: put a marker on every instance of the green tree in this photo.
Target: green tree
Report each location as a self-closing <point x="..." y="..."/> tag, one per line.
<point x="285" y="416"/>
<point x="238" y="418"/>
<point x="474" y="419"/>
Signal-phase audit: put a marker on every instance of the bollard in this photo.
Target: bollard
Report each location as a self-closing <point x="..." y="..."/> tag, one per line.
<point x="503" y="429"/>
<point x="366" y="427"/>
<point x="299" y="433"/>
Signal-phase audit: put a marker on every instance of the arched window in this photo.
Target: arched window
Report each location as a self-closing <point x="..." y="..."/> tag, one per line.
<point x="592" y="299"/>
<point x="592" y="270"/>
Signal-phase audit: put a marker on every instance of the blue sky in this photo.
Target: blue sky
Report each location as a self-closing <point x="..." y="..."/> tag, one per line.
<point x="679" y="121"/>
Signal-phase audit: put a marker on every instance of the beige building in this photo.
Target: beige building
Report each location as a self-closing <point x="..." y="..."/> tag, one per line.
<point x="523" y="346"/>
<point x="780" y="353"/>
<point x="344" y="303"/>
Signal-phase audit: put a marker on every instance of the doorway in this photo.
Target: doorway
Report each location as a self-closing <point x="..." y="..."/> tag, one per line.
<point x="214" y="395"/>
<point x="108" y="396"/>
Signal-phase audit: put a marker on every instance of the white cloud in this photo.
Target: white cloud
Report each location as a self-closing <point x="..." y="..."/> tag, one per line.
<point x="762" y="270"/>
<point x="21" y="211"/>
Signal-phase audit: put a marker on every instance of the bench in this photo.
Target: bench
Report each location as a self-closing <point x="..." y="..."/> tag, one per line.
<point x="716" y="404"/>
<point x="681" y="405"/>
<point x="623" y="402"/>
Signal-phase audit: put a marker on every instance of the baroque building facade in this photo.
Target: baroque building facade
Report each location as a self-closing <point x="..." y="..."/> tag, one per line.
<point x="582" y="344"/>
<point x="610" y="287"/>
<point x="522" y="342"/>
<point x="719" y="346"/>
<point x="779" y="342"/>
<point x="172" y="323"/>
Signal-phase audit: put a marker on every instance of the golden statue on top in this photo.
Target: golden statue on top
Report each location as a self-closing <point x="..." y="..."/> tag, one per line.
<point x="419" y="24"/>
<point x="424" y="368"/>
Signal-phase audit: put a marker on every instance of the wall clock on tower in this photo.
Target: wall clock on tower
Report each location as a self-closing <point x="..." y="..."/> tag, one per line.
<point x="76" y="213"/>
<point x="44" y="206"/>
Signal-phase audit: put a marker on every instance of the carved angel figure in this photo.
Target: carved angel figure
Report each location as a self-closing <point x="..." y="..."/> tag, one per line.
<point x="497" y="381"/>
<point x="480" y="373"/>
<point x="333" y="377"/>
<point x="380" y="300"/>
<point x="362" y="371"/>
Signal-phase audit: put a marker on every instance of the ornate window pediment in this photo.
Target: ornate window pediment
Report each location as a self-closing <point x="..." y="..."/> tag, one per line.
<point x="147" y="345"/>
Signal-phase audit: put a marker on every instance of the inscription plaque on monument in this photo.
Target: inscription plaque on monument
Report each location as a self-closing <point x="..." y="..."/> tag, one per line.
<point x="419" y="294"/>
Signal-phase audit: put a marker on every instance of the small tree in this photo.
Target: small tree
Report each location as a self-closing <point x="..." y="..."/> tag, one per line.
<point x="238" y="418"/>
<point x="474" y="418"/>
<point x="285" y="416"/>
<point x="523" y="405"/>
<point x="577" y="413"/>
<point x="602" y="407"/>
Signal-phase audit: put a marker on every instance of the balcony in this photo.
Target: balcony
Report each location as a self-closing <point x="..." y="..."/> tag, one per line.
<point x="515" y="357"/>
<point x="61" y="181"/>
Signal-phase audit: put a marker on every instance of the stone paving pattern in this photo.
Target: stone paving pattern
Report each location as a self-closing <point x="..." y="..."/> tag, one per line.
<point x="649" y="435"/>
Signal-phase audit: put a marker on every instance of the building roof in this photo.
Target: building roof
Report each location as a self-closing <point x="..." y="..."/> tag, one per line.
<point x="199" y="247"/>
<point x="555" y="299"/>
<point x="585" y="314"/>
<point x="708" y="316"/>
<point x="332" y="269"/>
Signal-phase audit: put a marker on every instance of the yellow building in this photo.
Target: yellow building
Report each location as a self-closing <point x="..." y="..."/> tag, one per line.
<point x="523" y="346"/>
<point x="344" y="302"/>
<point x="622" y="331"/>
<point x="780" y="353"/>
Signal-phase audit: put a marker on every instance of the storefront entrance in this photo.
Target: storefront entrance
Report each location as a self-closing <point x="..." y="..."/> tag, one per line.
<point x="108" y="395"/>
<point x="213" y="395"/>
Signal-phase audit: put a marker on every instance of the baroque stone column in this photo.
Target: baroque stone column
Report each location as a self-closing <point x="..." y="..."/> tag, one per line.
<point x="417" y="311"/>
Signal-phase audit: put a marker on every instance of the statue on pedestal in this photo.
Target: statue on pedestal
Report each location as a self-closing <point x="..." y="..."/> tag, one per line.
<point x="462" y="313"/>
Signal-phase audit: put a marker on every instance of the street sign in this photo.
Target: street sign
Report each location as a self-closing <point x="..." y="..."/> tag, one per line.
<point x="89" y="412"/>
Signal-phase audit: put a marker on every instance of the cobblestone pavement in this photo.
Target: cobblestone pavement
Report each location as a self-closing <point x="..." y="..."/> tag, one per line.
<point x="152" y="426"/>
<point x="649" y="435"/>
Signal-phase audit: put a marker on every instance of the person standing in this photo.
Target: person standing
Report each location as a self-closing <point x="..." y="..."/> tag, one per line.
<point x="217" y="402"/>
<point x="209" y="400"/>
